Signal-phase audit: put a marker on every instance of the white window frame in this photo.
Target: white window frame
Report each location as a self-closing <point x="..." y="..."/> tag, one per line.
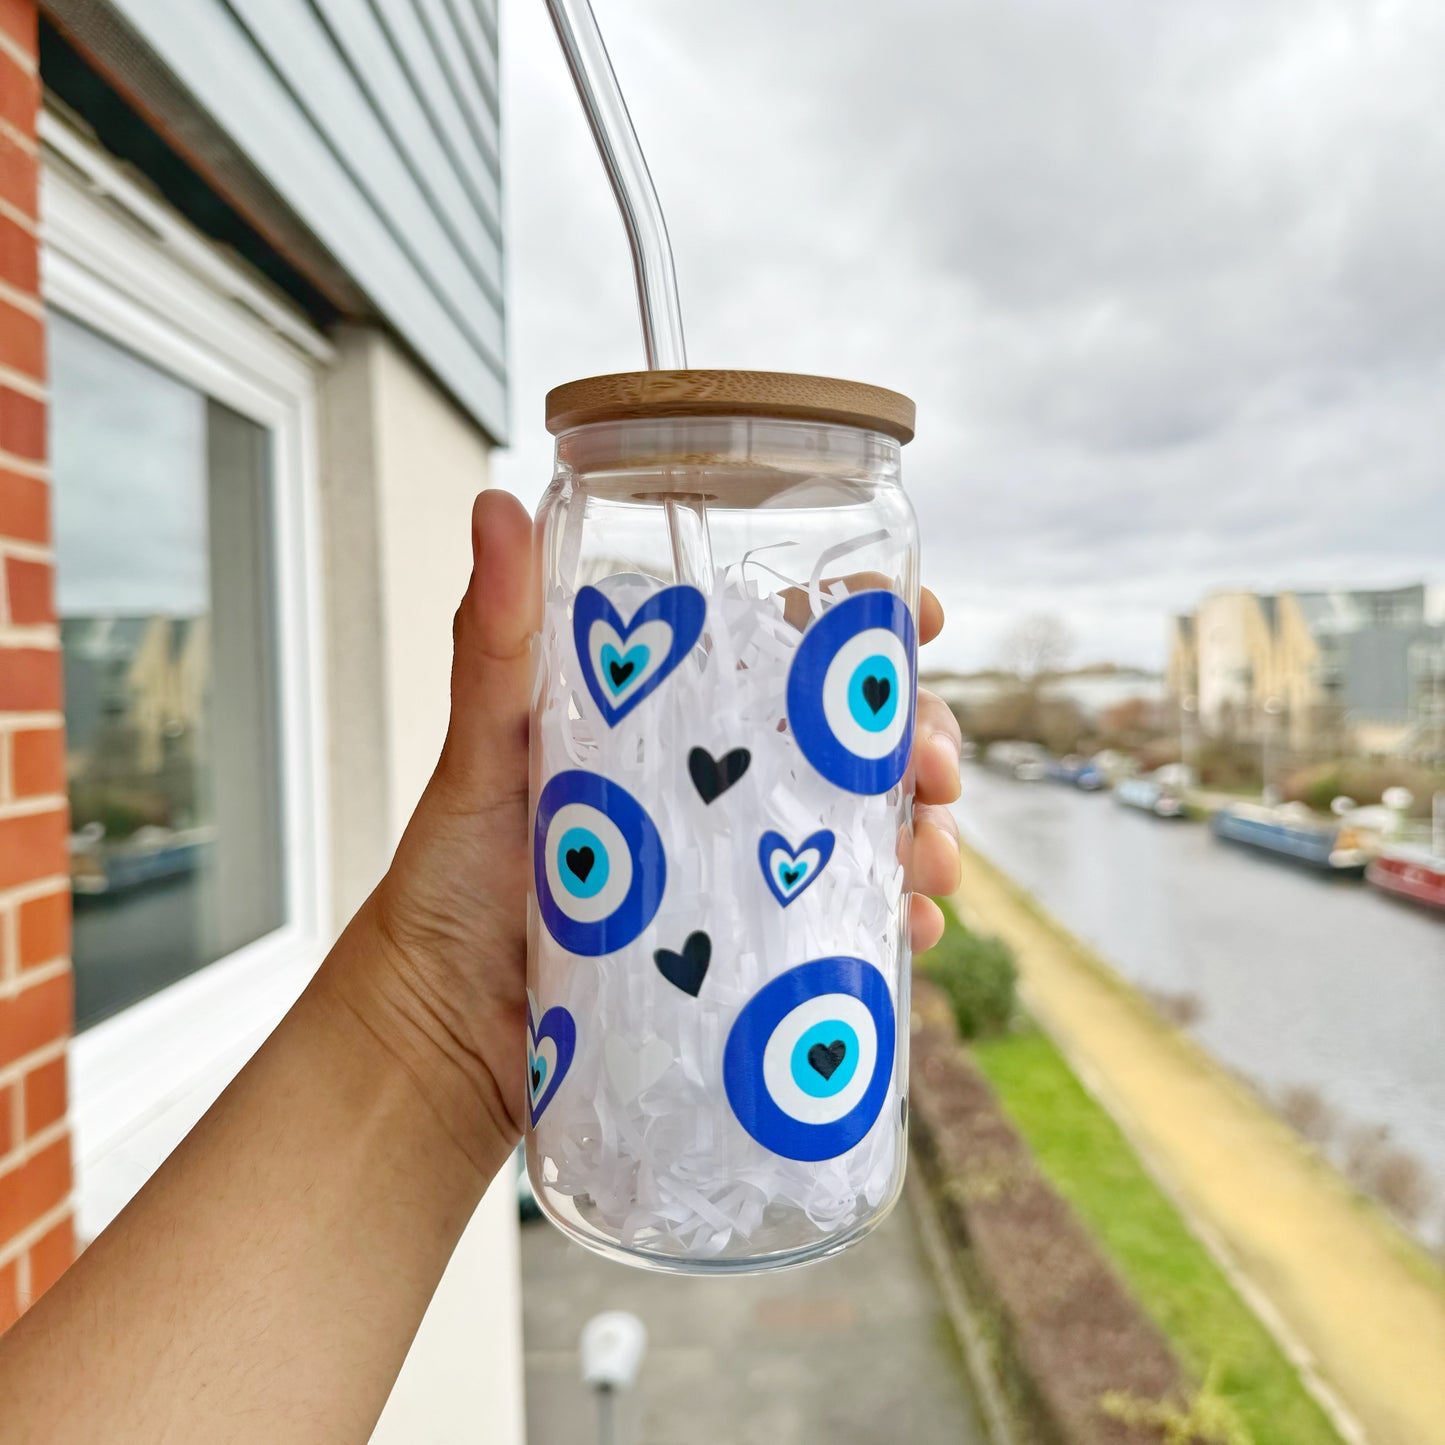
<point x="120" y="262"/>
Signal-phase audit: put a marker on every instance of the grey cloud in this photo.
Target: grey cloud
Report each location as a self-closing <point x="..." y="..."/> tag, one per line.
<point x="1165" y="280"/>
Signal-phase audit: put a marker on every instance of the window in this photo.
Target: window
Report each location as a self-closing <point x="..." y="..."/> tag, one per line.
<point x="162" y="523"/>
<point x="185" y="491"/>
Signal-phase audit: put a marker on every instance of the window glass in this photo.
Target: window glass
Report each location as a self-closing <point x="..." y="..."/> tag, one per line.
<point x="164" y="578"/>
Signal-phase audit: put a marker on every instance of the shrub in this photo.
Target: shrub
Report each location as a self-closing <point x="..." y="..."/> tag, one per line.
<point x="1308" y="1113"/>
<point x="977" y="973"/>
<point x="1181" y="1010"/>
<point x="1208" y="1416"/>
<point x="1403" y="1185"/>
<point x="1363" y="781"/>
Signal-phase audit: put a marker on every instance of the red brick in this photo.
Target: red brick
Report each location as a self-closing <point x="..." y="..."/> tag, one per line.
<point x="19" y="177"/>
<point x="19" y="20"/>
<point x="8" y="1137"/>
<point x="29" y="680"/>
<point x="33" y="846"/>
<point x="37" y="762"/>
<point x="34" y="1188"/>
<point x="22" y="341"/>
<point x="44" y="1096"/>
<point x="19" y="255"/>
<point x="44" y="927"/>
<point x="24" y="507"/>
<point x="19" y="94"/>
<point x="36" y="1016"/>
<point x="22" y="424"/>
<point x="32" y="591"/>
<point x="50" y="1256"/>
<point x="9" y="1295"/>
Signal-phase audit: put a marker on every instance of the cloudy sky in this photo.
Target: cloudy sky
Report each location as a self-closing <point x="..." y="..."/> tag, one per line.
<point x="1167" y="281"/>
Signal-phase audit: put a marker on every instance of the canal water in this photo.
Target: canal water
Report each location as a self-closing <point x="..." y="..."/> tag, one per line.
<point x="1302" y="980"/>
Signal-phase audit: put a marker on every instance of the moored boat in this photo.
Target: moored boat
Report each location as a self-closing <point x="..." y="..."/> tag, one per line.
<point x="1078" y="772"/>
<point x="1410" y="871"/>
<point x="1150" y="796"/>
<point x="1293" y="832"/>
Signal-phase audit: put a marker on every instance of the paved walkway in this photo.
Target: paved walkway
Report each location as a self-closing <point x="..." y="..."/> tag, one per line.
<point x="852" y="1351"/>
<point x="1365" y="1304"/>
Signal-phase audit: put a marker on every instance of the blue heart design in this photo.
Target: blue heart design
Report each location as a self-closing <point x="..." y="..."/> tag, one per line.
<point x="684" y="609"/>
<point x="558" y="1025"/>
<point x="618" y="671"/>
<point x="793" y="874"/>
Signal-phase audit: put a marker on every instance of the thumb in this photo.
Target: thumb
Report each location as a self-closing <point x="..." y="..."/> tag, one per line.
<point x="485" y="753"/>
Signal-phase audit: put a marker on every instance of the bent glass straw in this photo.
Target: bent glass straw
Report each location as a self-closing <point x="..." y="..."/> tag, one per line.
<point x="657" y="298"/>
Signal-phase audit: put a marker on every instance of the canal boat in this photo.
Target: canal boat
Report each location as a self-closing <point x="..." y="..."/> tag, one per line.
<point x="1410" y="870"/>
<point x="1150" y="796"/>
<point x="1293" y="832"/>
<point x="1077" y="772"/>
<point x="1025" y="762"/>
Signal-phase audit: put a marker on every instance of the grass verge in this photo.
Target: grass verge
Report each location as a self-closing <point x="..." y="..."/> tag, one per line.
<point x="1088" y="1160"/>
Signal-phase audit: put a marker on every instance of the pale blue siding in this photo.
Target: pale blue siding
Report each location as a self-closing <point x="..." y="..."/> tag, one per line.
<point x="376" y="121"/>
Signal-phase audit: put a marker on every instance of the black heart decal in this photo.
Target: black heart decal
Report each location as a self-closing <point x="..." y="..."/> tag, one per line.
<point x="825" y="1058"/>
<point x="621" y="671"/>
<point x="876" y="691"/>
<point x="712" y="777"/>
<point x="536" y="1079"/>
<point x="789" y="876"/>
<point x="686" y="970"/>
<point x="580" y="861"/>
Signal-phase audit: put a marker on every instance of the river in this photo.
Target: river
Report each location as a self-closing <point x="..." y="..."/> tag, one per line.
<point x="1301" y="980"/>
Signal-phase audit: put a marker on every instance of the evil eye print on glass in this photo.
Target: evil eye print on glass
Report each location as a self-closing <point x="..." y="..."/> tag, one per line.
<point x="598" y="863"/>
<point x="808" y="1064"/>
<point x="788" y="870"/>
<point x="551" y="1044"/>
<point x="851" y="692"/>
<point x="622" y="662"/>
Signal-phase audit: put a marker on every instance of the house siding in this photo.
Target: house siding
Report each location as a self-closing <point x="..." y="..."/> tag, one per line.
<point x="376" y="123"/>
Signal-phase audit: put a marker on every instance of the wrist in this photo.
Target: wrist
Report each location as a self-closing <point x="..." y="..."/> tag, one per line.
<point x="371" y="979"/>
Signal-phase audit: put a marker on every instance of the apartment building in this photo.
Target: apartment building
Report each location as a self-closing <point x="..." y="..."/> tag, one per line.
<point x="251" y="372"/>
<point x="1353" y="669"/>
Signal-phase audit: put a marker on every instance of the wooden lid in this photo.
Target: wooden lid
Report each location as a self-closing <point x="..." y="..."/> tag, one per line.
<point x="632" y="395"/>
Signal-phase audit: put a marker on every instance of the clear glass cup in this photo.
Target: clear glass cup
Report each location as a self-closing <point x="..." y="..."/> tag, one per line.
<point x="718" y="960"/>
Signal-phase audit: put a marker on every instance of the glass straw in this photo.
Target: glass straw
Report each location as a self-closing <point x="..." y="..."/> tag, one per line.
<point x="657" y="298"/>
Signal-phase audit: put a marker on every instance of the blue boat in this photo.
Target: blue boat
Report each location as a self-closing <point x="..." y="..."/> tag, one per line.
<point x="1077" y="772"/>
<point x="1292" y="832"/>
<point x="1150" y="797"/>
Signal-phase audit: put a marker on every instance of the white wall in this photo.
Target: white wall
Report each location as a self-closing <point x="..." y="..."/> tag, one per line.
<point x="400" y="468"/>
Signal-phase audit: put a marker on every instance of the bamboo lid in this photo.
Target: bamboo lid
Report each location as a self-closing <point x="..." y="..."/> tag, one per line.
<point x="632" y="395"/>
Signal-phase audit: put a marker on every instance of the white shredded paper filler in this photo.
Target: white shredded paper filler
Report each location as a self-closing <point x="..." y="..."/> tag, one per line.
<point x="640" y="1133"/>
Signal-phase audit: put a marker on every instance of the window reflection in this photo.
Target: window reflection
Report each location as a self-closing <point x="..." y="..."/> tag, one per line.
<point x="162" y="500"/>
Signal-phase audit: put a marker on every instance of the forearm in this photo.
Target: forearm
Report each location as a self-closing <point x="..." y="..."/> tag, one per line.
<point x="266" y="1283"/>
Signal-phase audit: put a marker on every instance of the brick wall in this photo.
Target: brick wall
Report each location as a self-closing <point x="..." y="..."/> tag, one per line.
<point x="36" y="1231"/>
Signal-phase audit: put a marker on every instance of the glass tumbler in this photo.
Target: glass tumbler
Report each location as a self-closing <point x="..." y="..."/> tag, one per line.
<point x="723" y="710"/>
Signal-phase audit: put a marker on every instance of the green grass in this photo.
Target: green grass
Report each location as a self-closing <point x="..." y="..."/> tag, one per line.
<point x="1086" y="1157"/>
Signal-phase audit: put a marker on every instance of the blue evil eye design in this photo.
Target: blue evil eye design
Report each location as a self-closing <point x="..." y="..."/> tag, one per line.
<point x="788" y="870"/>
<point x="550" y="1047"/>
<point x="598" y="863"/>
<point x="809" y="1062"/>
<point x="622" y="662"/>
<point x="852" y="690"/>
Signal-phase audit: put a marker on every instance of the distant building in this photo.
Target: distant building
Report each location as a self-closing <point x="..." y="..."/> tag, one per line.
<point x="1336" y="670"/>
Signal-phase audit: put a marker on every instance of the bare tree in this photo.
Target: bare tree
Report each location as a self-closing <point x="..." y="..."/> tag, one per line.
<point x="1035" y="646"/>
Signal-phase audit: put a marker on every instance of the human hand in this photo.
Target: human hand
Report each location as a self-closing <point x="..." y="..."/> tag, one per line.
<point x="449" y="999"/>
